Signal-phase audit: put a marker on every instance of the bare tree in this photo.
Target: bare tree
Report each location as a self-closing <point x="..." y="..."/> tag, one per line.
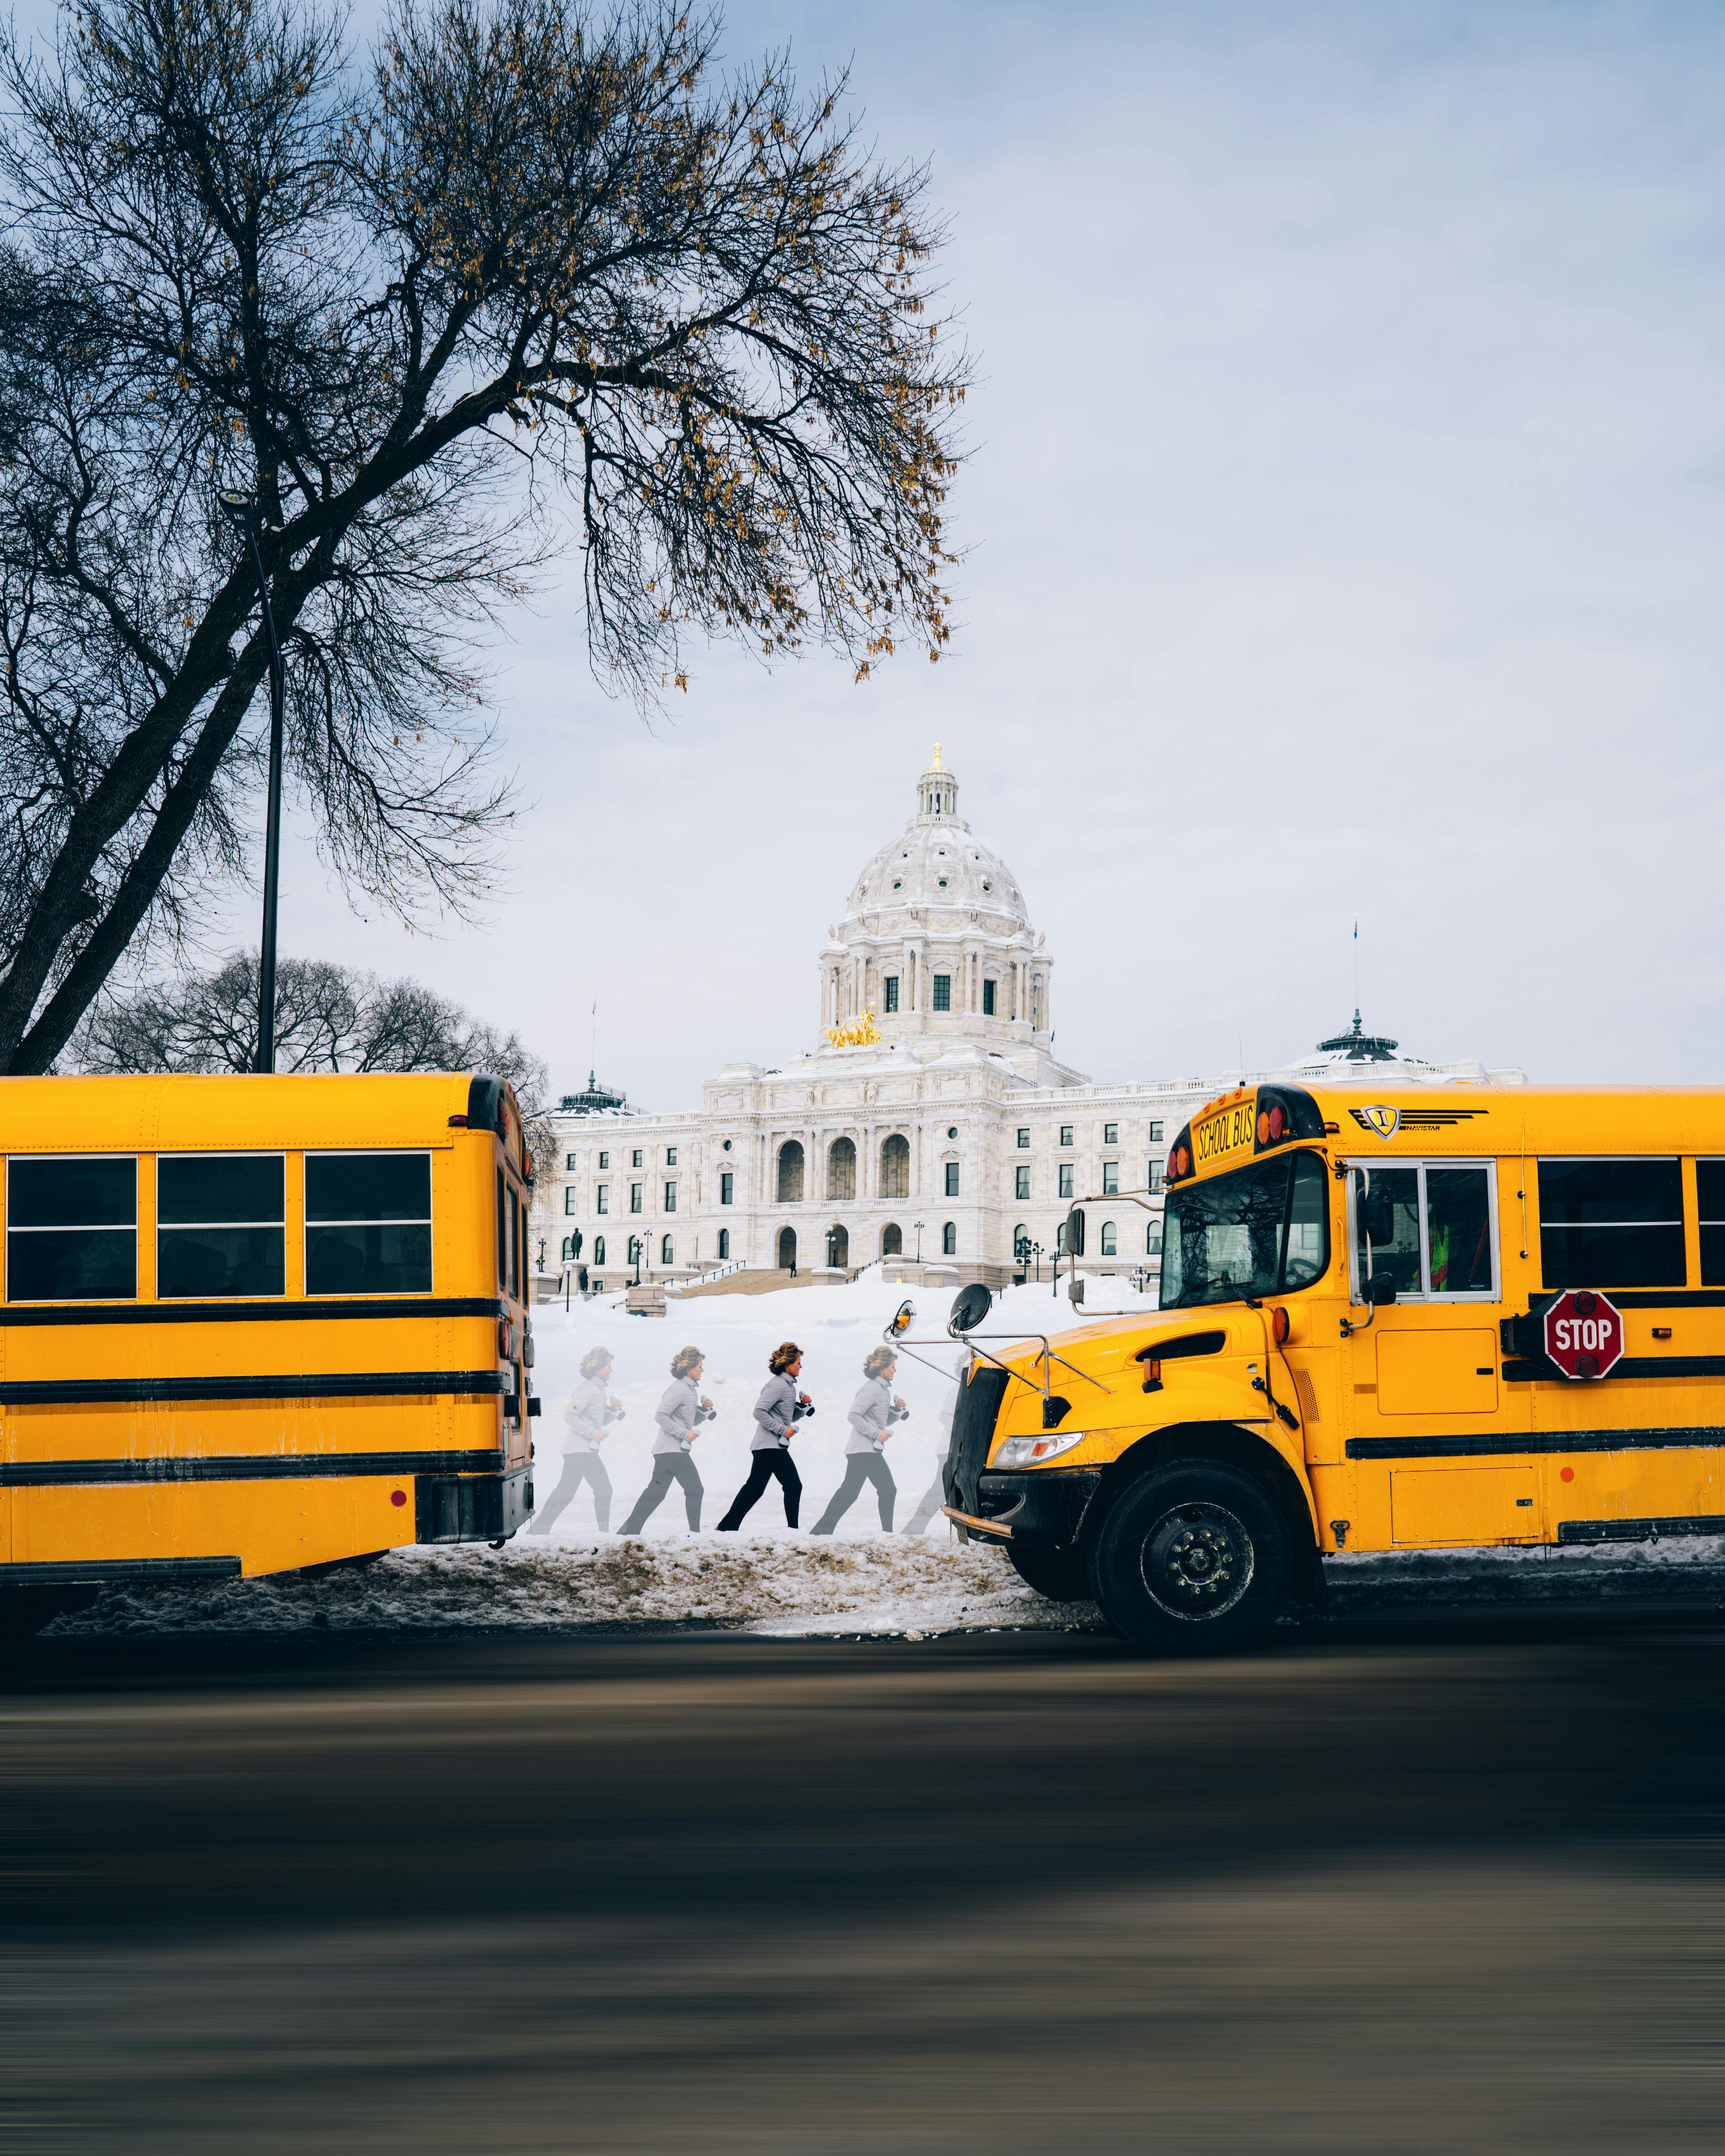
<point x="531" y="272"/>
<point x="328" y="1017"/>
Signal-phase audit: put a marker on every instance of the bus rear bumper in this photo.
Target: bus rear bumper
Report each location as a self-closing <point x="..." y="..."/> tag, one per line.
<point x="472" y="1508"/>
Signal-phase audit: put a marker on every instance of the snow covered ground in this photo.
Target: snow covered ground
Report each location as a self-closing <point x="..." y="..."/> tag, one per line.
<point x="768" y="1578"/>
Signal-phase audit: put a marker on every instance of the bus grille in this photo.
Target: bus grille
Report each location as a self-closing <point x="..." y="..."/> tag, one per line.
<point x="973" y="1433"/>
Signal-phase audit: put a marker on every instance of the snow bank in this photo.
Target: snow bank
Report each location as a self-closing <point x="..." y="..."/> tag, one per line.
<point x="882" y="1584"/>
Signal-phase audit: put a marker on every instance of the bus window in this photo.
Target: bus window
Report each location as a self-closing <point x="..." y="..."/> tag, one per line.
<point x="1226" y="1238"/>
<point x="221" y="1229"/>
<point x="515" y="1245"/>
<point x="1458" y="1230"/>
<point x="1710" y="1189"/>
<point x="71" y="1228"/>
<point x="1308" y="1229"/>
<point x="502" y="1233"/>
<point x="1386" y="1226"/>
<point x="368" y="1223"/>
<point x="1611" y="1224"/>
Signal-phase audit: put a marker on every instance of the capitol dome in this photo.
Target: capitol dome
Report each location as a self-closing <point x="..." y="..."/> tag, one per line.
<point x="936" y="941"/>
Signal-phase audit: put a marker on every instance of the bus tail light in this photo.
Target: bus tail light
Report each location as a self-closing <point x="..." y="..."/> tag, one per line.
<point x="505" y="1340"/>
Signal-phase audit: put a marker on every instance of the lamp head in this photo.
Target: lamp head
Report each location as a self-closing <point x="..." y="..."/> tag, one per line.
<point x="239" y="509"/>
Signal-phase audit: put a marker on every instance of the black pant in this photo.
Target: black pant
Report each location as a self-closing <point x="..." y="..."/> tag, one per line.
<point x="764" y="1467"/>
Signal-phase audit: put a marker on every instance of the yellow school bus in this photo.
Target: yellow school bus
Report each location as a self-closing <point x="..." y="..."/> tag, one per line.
<point x="251" y="1324"/>
<point x="1413" y="1320"/>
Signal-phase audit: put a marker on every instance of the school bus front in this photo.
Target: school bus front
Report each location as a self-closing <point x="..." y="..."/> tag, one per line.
<point x="256" y="1323"/>
<point x="1432" y="1318"/>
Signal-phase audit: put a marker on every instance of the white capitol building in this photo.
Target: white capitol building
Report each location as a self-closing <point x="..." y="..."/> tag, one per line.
<point x="944" y="1122"/>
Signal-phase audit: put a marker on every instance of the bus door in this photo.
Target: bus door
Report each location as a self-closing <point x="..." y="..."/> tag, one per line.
<point x="1429" y="1410"/>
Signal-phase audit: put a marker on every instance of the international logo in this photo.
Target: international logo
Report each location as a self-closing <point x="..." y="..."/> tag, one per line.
<point x="1386" y="1122"/>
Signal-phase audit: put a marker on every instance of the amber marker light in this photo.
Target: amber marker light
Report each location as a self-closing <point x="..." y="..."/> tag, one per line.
<point x="1280" y="1326"/>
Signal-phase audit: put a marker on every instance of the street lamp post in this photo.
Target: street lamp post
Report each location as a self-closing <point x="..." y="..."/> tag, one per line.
<point x="917" y="1225"/>
<point x="241" y="511"/>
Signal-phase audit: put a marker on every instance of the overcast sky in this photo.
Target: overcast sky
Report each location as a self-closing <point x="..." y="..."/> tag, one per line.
<point x="1347" y="532"/>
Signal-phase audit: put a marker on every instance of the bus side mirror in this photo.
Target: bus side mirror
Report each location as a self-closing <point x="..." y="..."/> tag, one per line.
<point x="1379" y="1289"/>
<point x="1075" y="1232"/>
<point x="971" y="1307"/>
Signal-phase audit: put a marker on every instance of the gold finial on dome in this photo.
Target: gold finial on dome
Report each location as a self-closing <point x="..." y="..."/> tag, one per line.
<point x="937" y="765"/>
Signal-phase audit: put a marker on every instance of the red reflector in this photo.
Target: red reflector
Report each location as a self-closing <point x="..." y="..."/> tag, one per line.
<point x="398" y="1497"/>
<point x="1278" y="1123"/>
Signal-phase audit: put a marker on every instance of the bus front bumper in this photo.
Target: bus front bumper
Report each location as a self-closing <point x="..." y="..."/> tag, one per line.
<point x="1045" y="1505"/>
<point x="472" y="1508"/>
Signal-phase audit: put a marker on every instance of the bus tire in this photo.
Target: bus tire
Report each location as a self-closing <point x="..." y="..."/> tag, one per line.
<point x="1193" y="1558"/>
<point x="1060" y="1574"/>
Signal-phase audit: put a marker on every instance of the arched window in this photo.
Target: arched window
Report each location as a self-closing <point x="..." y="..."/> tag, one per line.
<point x="665" y="1255"/>
<point x="790" y="1172"/>
<point x="841" y="1169"/>
<point x="838" y="1245"/>
<point x="892" y="1240"/>
<point x="633" y="1257"/>
<point x="1021" y="1241"/>
<point x="599" y="1250"/>
<point x="786" y="1248"/>
<point x="949" y="1240"/>
<point x="1110" y="1241"/>
<point x="896" y="1167"/>
<point x="1152" y="1239"/>
<point x="568" y="1249"/>
<point x="1061" y="1241"/>
<point x="724" y="1245"/>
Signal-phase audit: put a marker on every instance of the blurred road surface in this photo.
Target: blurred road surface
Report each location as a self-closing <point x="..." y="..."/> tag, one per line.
<point x="1434" y="1882"/>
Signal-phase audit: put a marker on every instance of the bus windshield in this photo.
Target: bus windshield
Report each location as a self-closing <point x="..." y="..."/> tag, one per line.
<point x="1262" y="1231"/>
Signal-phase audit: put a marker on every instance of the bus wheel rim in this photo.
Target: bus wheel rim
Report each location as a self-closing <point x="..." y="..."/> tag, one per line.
<point x="1197" y="1561"/>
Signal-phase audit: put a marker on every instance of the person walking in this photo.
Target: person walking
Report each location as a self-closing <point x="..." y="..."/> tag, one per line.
<point x="872" y="1413"/>
<point x="935" y="1496"/>
<point x="780" y="1408"/>
<point x="678" y="1413"/>
<point x="592" y="1410"/>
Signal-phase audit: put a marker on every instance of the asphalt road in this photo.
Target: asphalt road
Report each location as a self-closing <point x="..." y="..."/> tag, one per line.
<point x="1432" y="1883"/>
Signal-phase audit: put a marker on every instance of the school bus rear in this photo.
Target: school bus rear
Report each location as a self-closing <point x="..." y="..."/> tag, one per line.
<point x="1434" y="1318"/>
<point x="256" y="1323"/>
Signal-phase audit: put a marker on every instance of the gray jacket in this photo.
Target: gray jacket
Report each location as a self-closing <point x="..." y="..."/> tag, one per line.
<point x="589" y="1411"/>
<point x="678" y="1413"/>
<point x="775" y="1412"/>
<point x="872" y="1414"/>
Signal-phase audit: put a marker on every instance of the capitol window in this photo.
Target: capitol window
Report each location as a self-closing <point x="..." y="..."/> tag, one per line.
<point x="944" y="992"/>
<point x="568" y="1162"/>
<point x="635" y="1197"/>
<point x="987" y="999"/>
<point x="724" y="1245"/>
<point x="1066" y="1178"/>
<point x="949" y="1240"/>
<point x="599" y="1250"/>
<point x="1023" y="1142"/>
<point x="670" y="1198"/>
<point x="1110" y="1134"/>
<point x="572" y="1199"/>
<point x="604" y="1204"/>
<point x="1155" y="1176"/>
<point x="1066" y="1134"/>
<point x="1110" y="1246"/>
<point x="1156" y="1133"/>
<point x="727" y="1183"/>
<point x="952" y="1178"/>
<point x="634" y="1158"/>
<point x="665" y="1257"/>
<point x="604" y="1160"/>
<point x="1023" y="1186"/>
<point x="1111" y="1178"/>
<point x="671" y="1156"/>
<point x="891" y="985"/>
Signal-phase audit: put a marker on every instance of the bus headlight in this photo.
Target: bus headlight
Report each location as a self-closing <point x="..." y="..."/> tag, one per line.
<point x="1034" y="1451"/>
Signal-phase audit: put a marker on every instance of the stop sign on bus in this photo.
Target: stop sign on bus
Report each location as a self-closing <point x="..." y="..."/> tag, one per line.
<point x="1584" y="1333"/>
